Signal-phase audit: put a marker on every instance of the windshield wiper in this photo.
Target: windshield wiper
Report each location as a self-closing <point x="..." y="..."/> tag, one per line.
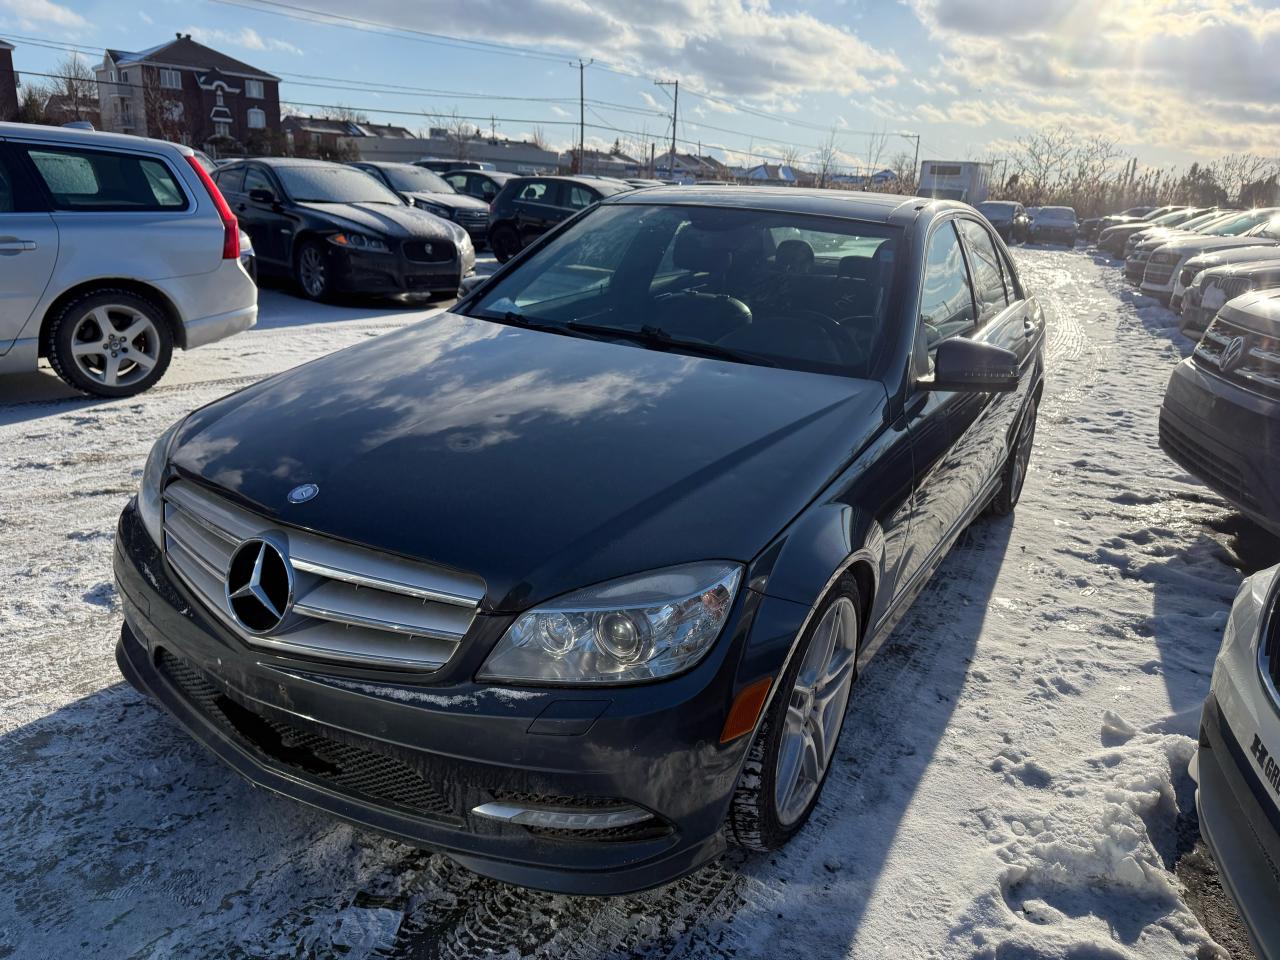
<point x="651" y="336"/>
<point x="517" y="319"/>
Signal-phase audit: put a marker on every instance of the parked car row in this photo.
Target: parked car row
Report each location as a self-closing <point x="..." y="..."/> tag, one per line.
<point x="1018" y="224"/>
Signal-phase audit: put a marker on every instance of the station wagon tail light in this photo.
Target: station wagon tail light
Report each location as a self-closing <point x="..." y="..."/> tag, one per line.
<point x="230" y="228"/>
<point x="629" y="630"/>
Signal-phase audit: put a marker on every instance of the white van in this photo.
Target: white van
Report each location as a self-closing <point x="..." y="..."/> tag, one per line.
<point x="113" y="250"/>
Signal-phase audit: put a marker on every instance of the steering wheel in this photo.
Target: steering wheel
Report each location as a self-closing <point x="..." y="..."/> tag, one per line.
<point x="732" y="303"/>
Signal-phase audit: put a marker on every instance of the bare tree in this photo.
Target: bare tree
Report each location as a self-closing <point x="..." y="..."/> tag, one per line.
<point x="539" y="138"/>
<point x="904" y="172"/>
<point x="826" y="160"/>
<point x="1237" y="171"/>
<point x="876" y="145"/>
<point x="77" y="87"/>
<point x="791" y="156"/>
<point x="1041" y="159"/>
<point x="459" y="132"/>
<point x="165" y="111"/>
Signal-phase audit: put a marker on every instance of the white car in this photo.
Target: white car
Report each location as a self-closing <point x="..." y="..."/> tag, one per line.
<point x="1238" y="764"/>
<point x="1253" y="228"/>
<point x="113" y="251"/>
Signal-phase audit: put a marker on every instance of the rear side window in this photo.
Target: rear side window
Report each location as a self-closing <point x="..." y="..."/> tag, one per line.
<point x="100" y="180"/>
<point x="946" y="301"/>
<point x="255" y="178"/>
<point x="580" y="197"/>
<point x="537" y="190"/>
<point x="229" y="179"/>
<point x="988" y="279"/>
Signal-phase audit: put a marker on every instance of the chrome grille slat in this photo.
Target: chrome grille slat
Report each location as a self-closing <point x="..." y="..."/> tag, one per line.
<point x="353" y="605"/>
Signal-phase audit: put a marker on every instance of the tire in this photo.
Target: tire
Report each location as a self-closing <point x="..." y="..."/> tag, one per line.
<point x="504" y="242"/>
<point x="311" y="272"/>
<point x="759" y="818"/>
<point x="110" y="343"/>
<point x="1015" y="466"/>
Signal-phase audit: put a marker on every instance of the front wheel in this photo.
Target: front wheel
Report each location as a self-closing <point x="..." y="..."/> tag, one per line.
<point x="1015" y="468"/>
<point x="311" y="271"/>
<point x="791" y="755"/>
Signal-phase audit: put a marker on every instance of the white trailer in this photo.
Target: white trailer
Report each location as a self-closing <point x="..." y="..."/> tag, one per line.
<point x="962" y="180"/>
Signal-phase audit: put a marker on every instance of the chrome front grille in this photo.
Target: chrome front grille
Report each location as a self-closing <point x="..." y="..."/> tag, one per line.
<point x="473" y="217"/>
<point x="1257" y="368"/>
<point x="1157" y="274"/>
<point x="351" y="605"/>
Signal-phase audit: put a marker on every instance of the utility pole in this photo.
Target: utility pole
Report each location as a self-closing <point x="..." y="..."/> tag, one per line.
<point x="915" y="164"/>
<point x="675" y="109"/>
<point x="582" y="112"/>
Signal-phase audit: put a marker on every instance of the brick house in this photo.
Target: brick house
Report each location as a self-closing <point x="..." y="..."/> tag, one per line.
<point x="8" y="83"/>
<point x="189" y="93"/>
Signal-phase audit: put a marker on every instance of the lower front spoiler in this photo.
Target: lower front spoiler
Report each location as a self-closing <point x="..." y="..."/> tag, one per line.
<point x="1241" y="826"/>
<point x="608" y="880"/>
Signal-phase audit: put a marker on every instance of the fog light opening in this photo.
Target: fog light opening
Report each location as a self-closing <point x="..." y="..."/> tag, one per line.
<point x="561" y="818"/>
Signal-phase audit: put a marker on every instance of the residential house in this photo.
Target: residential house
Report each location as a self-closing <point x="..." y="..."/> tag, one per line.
<point x="690" y="168"/>
<point x="512" y="156"/>
<point x="183" y="91"/>
<point x="329" y="137"/>
<point x="774" y="174"/>
<point x="603" y="163"/>
<point x="8" y="83"/>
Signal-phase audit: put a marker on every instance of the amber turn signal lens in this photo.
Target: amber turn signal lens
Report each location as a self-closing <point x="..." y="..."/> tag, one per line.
<point x="745" y="710"/>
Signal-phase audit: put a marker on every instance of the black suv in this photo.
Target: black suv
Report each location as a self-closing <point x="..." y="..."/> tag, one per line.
<point x="527" y="207"/>
<point x="571" y="581"/>
<point x="1221" y="414"/>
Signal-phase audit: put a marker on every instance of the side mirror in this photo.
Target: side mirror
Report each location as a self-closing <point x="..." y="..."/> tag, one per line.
<point x="970" y="366"/>
<point x="258" y="195"/>
<point x="471" y="284"/>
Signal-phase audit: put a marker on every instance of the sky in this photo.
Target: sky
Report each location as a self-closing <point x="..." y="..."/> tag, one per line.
<point x="1170" y="81"/>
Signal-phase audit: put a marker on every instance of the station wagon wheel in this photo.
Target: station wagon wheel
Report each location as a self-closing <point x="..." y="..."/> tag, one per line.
<point x="311" y="271"/>
<point x="791" y="755"/>
<point x="1015" y="469"/>
<point x="111" y="343"/>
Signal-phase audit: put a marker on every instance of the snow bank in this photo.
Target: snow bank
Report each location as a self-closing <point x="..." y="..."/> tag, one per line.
<point x="1078" y="872"/>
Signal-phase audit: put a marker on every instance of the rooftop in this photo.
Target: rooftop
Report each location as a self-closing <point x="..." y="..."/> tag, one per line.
<point x="185" y="52"/>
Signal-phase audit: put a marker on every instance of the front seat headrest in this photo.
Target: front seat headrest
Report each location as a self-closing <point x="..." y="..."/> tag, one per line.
<point x="794" y="255"/>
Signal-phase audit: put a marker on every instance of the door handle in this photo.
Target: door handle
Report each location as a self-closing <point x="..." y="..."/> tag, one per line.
<point x="16" y="246"/>
<point x="1028" y="328"/>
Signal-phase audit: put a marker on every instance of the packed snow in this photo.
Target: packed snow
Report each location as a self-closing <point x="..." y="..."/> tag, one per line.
<point x="1009" y="784"/>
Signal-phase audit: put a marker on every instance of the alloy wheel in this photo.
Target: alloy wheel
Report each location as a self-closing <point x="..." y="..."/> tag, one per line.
<point x="115" y="345"/>
<point x="815" y="710"/>
<point x="312" y="272"/>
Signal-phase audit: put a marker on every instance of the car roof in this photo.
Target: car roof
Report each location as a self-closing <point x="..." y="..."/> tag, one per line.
<point x="849" y="204"/>
<point x="87" y="138"/>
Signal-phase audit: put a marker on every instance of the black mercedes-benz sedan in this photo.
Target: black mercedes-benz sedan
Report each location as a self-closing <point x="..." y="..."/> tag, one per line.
<point x="335" y="229"/>
<point x="572" y="582"/>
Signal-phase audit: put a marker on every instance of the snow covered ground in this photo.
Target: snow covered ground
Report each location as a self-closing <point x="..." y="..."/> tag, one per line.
<point x="1010" y="776"/>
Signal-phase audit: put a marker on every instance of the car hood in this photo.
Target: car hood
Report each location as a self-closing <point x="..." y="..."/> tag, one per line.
<point x="541" y="462"/>
<point x="1258" y="310"/>
<point x="382" y="219"/>
<point x="1192" y="245"/>
<point x="1241" y="255"/>
<point x="454" y="201"/>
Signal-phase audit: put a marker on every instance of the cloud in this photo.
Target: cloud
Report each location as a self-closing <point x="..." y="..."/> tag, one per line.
<point x="35" y="13"/>
<point x="560" y="111"/>
<point x="743" y="48"/>
<point x="1194" y="76"/>
<point x="246" y="38"/>
<point x="145" y="17"/>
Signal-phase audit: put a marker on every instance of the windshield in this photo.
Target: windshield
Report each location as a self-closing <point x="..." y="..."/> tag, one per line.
<point x="779" y="289"/>
<point x="1269" y="229"/>
<point x="997" y="209"/>
<point x="1056" y="213"/>
<point x="1237" y="223"/>
<point x="1196" y="222"/>
<point x="333" y="184"/>
<point x="410" y="179"/>
<point x="1176" y="217"/>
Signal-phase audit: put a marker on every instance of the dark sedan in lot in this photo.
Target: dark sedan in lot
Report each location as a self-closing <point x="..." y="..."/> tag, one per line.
<point x="573" y="581"/>
<point x="428" y="191"/>
<point x="527" y="207"/>
<point x="334" y="229"/>
<point x="1009" y="218"/>
<point x="1055" y="225"/>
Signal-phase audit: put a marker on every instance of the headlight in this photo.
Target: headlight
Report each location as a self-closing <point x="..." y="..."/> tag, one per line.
<point x="637" y="628"/>
<point x="359" y="241"/>
<point x="150" y="505"/>
<point x="437" y="209"/>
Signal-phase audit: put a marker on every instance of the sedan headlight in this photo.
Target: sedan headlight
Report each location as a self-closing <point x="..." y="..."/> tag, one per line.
<point x="359" y="241"/>
<point x="637" y="628"/>
<point x="438" y="209"/>
<point x="150" y="504"/>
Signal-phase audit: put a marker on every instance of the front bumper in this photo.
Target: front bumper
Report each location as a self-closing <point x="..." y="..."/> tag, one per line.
<point x="1226" y="436"/>
<point x="1135" y="268"/>
<point x="391" y="273"/>
<point x="461" y="743"/>
<point x="1241" y="825"/>
<point x="1053" y="235"/>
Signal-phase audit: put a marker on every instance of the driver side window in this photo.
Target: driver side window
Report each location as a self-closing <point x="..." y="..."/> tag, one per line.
<point x="946" y="296"/>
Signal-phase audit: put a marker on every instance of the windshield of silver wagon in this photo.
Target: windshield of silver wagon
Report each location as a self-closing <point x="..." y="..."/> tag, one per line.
<point x="789" y="290"/>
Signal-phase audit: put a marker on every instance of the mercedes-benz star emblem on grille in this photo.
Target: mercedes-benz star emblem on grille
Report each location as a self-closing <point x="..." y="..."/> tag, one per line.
<point x="1231" y="355"/>
<point x="303" y="493"/>
<point x="259" y="586"/>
